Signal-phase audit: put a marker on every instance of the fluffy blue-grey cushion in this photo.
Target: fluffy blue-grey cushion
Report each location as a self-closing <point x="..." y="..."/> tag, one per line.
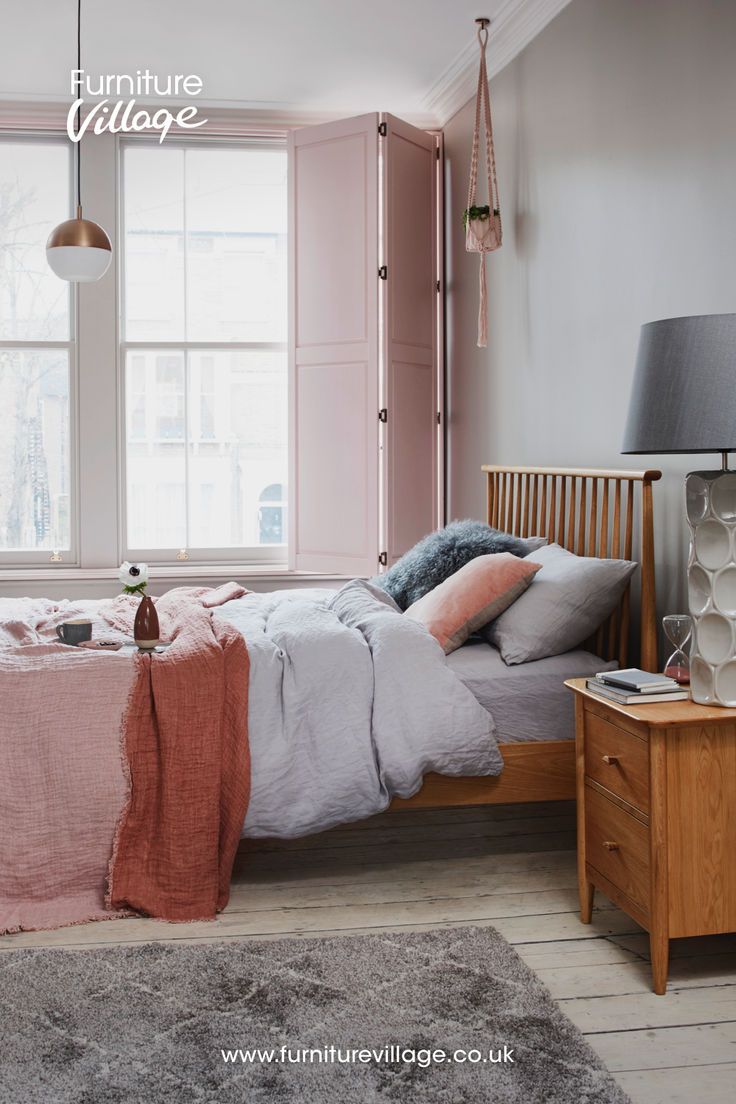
<point x="439" y="555"/>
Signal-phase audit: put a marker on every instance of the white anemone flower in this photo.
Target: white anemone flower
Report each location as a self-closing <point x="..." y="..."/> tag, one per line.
<point x="134" y="577"/>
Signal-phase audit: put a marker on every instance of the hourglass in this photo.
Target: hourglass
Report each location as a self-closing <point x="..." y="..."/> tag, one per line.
<point x="678" y="628"/>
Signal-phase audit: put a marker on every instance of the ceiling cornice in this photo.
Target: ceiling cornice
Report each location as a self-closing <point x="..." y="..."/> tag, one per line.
<point x="23" y="113"/>
<point x="518" y="22"/>
<point x="50" y="113"/>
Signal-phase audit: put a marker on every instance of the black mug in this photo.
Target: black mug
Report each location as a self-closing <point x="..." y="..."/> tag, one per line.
<point x="74" y="632"/>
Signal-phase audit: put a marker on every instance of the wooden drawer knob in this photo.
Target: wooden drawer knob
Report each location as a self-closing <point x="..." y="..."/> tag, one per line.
<point x="610" y="845"/>
<point x="612" y="760"/>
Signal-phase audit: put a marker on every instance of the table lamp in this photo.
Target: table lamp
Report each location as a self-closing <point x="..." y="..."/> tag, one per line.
<point x="684" y="400"/>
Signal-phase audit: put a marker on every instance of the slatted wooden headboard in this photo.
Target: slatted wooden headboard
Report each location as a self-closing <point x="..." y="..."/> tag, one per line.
<point x="591" y="513"/>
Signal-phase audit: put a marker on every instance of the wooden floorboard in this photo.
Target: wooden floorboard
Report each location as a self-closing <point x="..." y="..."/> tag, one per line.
<point x="666" y="1047"/>
<point x="681" y="1084"/>
<point x="512" y="867"/>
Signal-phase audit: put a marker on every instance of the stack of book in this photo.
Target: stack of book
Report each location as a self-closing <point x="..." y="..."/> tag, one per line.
<point x="634" y="687"/>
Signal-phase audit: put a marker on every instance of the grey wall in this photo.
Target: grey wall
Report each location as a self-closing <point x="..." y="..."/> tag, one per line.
<point x="616" y="147"/>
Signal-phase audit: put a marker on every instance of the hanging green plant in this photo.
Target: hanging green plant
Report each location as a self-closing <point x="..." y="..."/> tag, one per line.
<point x="481" y="213"/>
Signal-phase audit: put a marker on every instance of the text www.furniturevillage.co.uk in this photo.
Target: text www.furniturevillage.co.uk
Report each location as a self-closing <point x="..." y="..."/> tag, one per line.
<point x="392" y="1054"/>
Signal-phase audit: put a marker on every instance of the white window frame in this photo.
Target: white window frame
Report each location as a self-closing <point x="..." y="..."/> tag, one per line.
<point x="258" y="554"/>
<point x="69" y="556"/>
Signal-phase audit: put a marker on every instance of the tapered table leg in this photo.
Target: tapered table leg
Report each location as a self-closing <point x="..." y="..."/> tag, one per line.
<point x="659" y="950"/>
<point x="586" y="890"/>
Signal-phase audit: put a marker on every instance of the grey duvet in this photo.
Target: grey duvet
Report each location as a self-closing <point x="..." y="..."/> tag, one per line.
<point x="350" y="705"/>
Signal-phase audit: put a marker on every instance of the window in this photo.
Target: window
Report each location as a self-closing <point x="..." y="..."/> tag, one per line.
<point x="149" y="414"/>
<point x="36" y="470"/>
<point x="204" y="353"/>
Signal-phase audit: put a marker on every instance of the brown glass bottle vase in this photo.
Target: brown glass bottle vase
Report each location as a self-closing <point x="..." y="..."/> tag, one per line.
<point x="146" y="632"/>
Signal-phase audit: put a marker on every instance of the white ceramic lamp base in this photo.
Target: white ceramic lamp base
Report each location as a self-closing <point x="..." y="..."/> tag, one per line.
<point x="711" y="577"/>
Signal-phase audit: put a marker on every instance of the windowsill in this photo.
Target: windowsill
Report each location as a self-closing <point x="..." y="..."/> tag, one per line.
<point x="177" y="573"/>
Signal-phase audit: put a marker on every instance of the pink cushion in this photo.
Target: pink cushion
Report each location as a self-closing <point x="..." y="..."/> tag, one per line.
<point x="472" y="597"/>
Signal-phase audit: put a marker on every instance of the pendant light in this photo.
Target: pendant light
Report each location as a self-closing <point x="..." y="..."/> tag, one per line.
<point x="79" y="250"/>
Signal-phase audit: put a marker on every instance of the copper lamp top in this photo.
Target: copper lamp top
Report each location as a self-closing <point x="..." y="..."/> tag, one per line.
<point x="79" y="232"/>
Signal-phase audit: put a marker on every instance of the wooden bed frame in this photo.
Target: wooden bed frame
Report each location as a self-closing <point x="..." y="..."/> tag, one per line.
<point x="591" y="513"/>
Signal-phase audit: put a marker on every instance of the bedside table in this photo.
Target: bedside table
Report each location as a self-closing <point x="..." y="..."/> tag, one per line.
<point x="656" y="815"/>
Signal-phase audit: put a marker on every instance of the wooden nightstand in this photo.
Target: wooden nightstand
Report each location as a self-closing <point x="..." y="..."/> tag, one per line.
<point x="656" y="814"/>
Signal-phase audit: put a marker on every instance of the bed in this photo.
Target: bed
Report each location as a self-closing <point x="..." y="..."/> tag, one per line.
<point x="353" y="709"/>
<point x="348" y="704"/>
<point x="590" y="512"/>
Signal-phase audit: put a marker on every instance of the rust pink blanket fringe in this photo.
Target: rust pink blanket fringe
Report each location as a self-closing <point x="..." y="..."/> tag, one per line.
<point x="186" y="738"/>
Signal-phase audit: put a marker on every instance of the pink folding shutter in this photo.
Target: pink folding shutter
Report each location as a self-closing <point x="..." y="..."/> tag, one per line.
<point x="410" y="338"/>
<point x="334" y="373"/>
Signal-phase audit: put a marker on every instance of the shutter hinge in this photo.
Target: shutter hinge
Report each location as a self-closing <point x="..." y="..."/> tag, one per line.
<point x="439" y="417"/>
<point x="383" y="272"/>
<point x="383" y="415"/>
<point x="383" y="129"/>
<point x="383" y="558"/>
<point x="438" y="153"/>
<point x="437" y="286"/>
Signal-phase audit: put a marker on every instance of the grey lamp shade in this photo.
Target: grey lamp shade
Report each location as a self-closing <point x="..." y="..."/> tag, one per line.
<point x="684" y="394"/>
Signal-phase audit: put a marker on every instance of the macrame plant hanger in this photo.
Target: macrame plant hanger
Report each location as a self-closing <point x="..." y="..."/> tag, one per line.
<point x="483" y="224"/>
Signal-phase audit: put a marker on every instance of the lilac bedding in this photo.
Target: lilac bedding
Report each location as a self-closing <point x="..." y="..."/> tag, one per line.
<point x="350" y="704"/>
<point x="528" y="701"/>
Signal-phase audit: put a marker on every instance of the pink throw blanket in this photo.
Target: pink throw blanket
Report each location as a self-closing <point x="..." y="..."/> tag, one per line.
<point x="67" y="719"/>
<point x="186" y="734"/>
<point x="120" y="612"/>
<point x="63" y="781"/>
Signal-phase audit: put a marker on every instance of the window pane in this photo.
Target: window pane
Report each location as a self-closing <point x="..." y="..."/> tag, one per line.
<point x="214" y="437"/>
<point x="35" y="471"/>
<point x="169" y="398"/>
<point x="153" y="195"/>
<point x="236" y="245"/>
<point x="205" y="244"/>
<point x="34" y="197"/>
<point x="237" y="447"/>
<point x="156" y="449"/>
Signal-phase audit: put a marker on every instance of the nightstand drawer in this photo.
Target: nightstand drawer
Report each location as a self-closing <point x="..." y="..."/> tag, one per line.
<point x="617" y="845"/>
<point x="617" y="760"/>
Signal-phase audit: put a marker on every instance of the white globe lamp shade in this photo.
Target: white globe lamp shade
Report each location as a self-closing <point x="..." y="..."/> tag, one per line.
<point x="79" y="250"/>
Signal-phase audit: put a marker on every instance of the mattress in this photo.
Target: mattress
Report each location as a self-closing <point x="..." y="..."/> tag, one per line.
<point x="528" y="701"/>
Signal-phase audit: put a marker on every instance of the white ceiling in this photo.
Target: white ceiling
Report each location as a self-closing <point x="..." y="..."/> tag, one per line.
<point x="304" y="58"/>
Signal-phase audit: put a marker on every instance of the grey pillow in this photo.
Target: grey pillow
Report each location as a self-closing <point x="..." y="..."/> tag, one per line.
<point x="442" y="553"/>
<point x="567" y="601"/>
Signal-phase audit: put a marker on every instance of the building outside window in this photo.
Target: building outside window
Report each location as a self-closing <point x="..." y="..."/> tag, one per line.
<point x="271" y="514"/>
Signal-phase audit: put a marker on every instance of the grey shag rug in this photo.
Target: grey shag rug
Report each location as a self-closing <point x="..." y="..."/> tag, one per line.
<point x="148" y="1023"/>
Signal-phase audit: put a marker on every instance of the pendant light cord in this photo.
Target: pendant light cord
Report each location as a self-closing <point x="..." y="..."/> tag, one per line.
<point x="79" y="109"/>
